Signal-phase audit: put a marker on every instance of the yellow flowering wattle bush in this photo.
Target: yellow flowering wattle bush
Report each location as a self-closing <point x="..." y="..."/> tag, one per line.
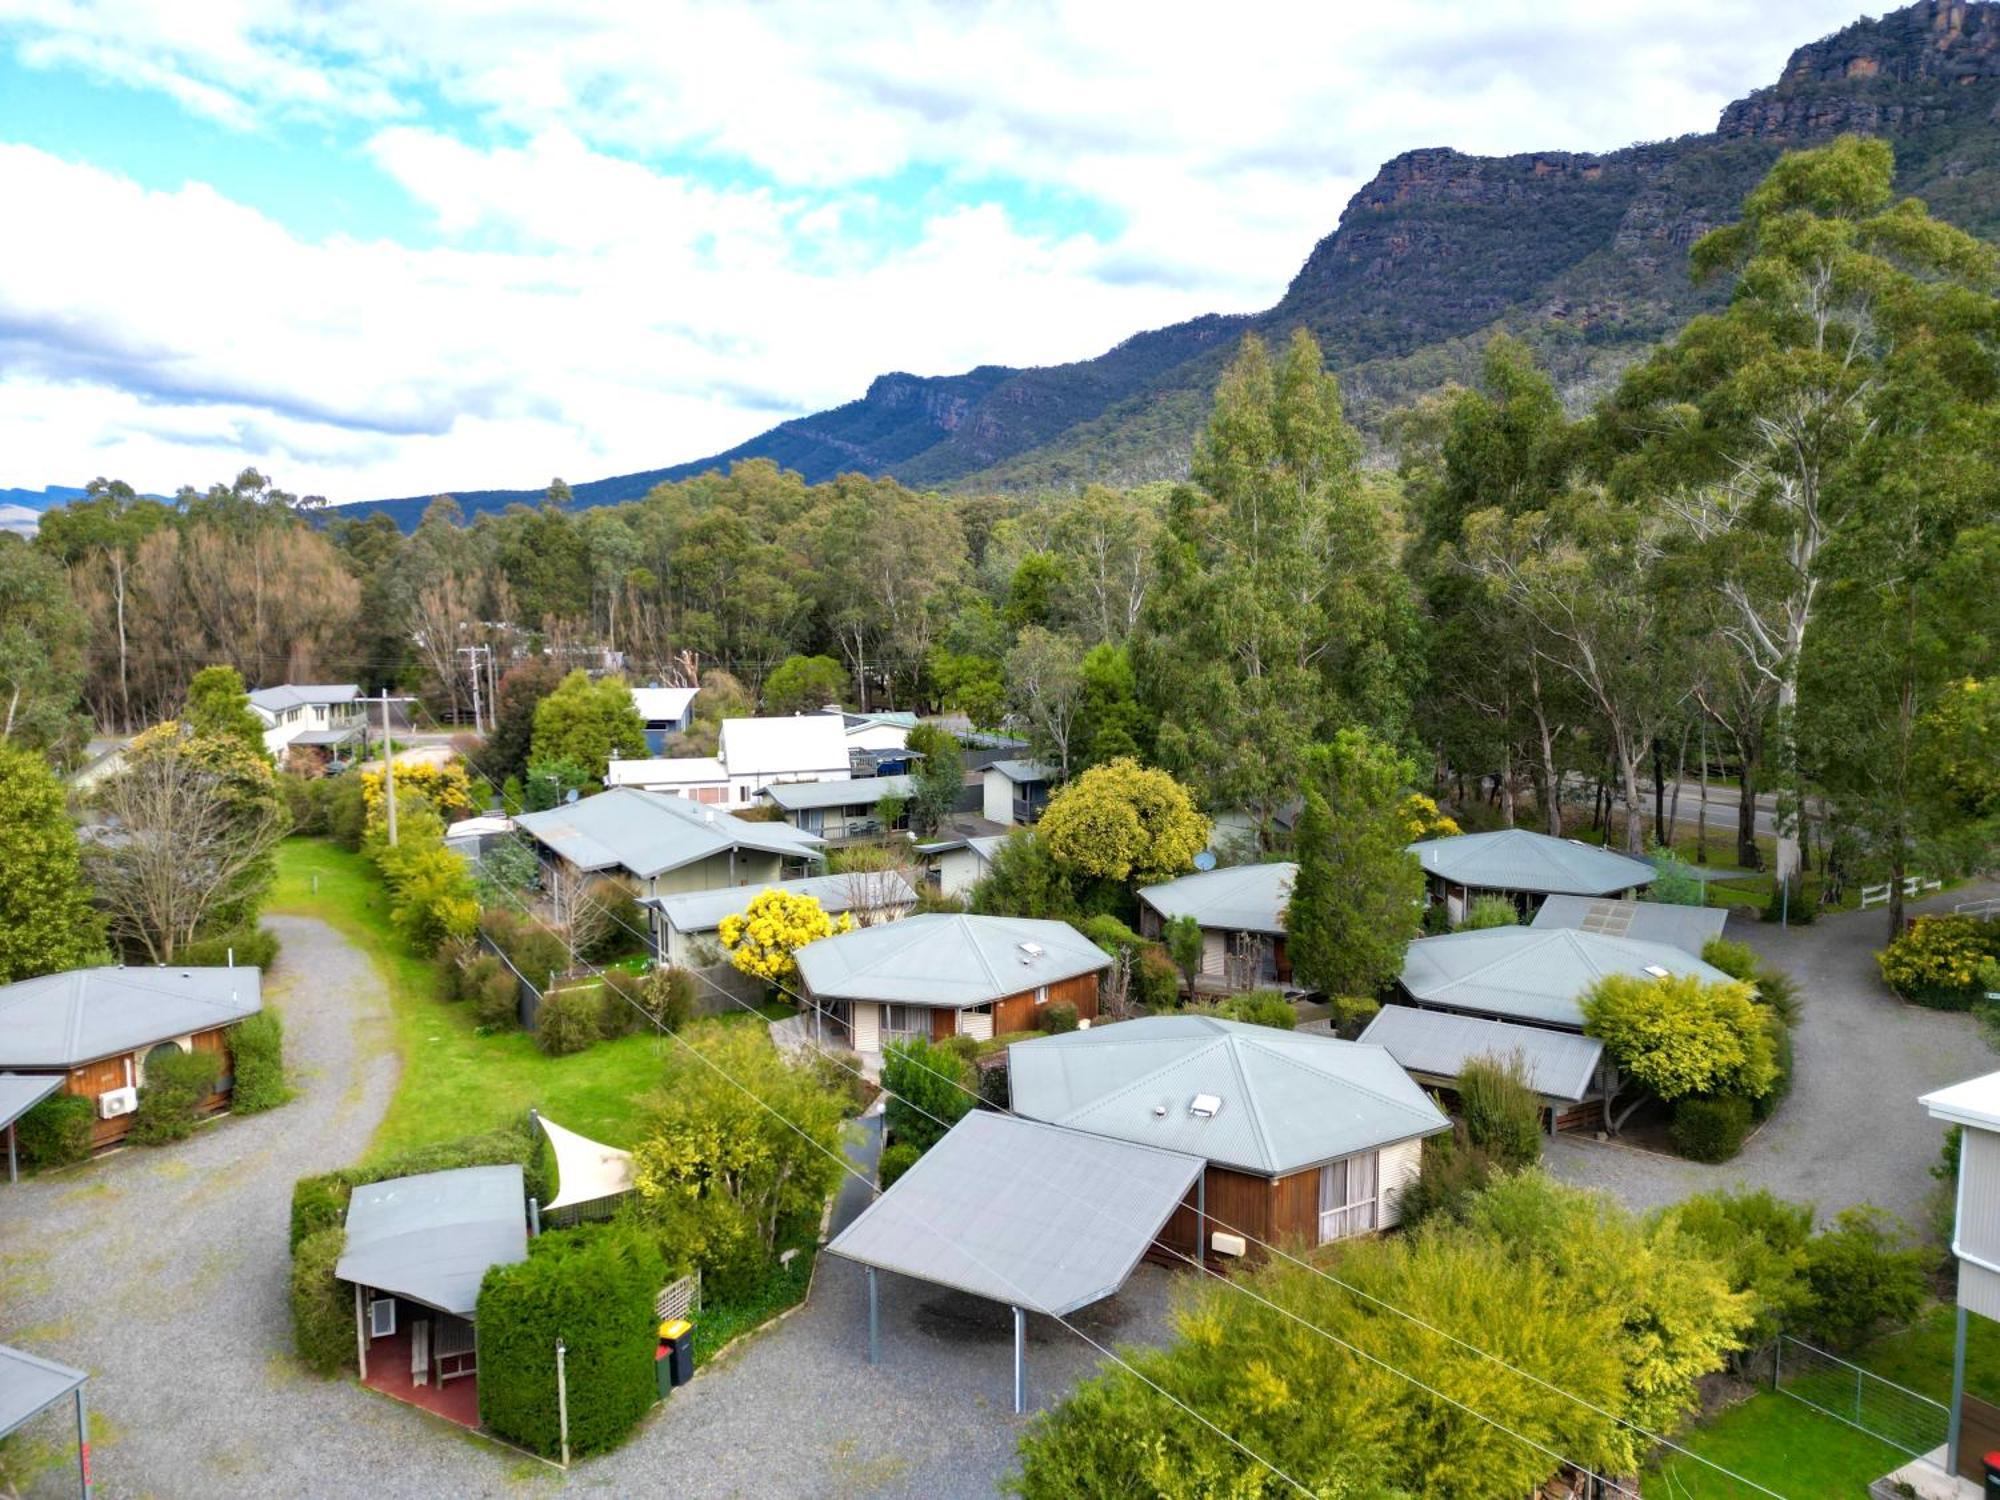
<point x="762" y="938"/>
<point x="1938" y="961"/>
<point x="1425" y="820"/>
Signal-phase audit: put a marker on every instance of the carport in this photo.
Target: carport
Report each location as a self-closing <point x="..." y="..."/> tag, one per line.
<point x="1038" y="1217"/>
<point x="19" y="1093"/>
<point x="29" y="1386"/>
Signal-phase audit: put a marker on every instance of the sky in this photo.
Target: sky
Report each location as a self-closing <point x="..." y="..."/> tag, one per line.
<point x="382" y="249"/>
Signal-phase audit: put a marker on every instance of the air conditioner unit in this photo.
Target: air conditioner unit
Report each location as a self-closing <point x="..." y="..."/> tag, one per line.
<point x="115" y="1102"/>
<point x="1227" y="1244"/>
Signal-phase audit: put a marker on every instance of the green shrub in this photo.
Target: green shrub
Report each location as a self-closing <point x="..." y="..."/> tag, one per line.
<point x="1260" y="1008"/>
<point x="170" y="1099"/>
<point x="534" y="950"/>
<point x="1864" y="1273"/>
<point x="840" y="1072"/>
<point x="1737" y="960"/>
<point x="1453" y="1170"/>
<point x="929" y="1088"/>
<point x="622" y="1006"/>
<point x="896" y="1160"/>
<point x="302" y="801"/>
<point x="1155" y="980"/>
<point x="346" y="803"/>
<point x="496" y="1003"/>
<point x="1352" y="1013"/>
<point x="257" y="1053"/>
<point x="1777" y="989"/>
<point x="1675" y="883"/>
<point x="619" y="925"/>
<point x="995" y="1089"/>
<point x="1503" y="1114"/>
<point x="1110" y="934"/>
<point x="1710" y="1127"/>
<point x="1798" y="911"/>
<point x="670" y="997"/>
<point x="246" y="947"/>
<point x="1490" y="911"/>
<point x="593" y="1288"/>
<point x="1057" y="1018"/>
<point x="961" y="1045"/>
<point x="468" y="980"/>
<point x="56" y="1132"/>
<point x="322" y="1309"/>
<point x="569" y="1021"/>
<point x="319" y="1203"/>
<point x="1766" y="1104"/>
<point x="1938" y="961"/>
<point x="1759" y="1240"/>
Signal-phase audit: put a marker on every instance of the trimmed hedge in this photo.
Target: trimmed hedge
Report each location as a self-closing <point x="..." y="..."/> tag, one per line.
<point x="56" y="1132"/>
<point x="1260" y="1008"/>
<point x="246" y="947"/>
<point x="320" y="1201"/>
<point x="1766" y="1104"/>
<point x="593" y="1288"/>
<point x="170" y="1098"/>
<point x="322" y="1309"/>
<point x="257" y="1048"/>
<point x="896" y="1160"/>
<point x="1710" y="1127"/>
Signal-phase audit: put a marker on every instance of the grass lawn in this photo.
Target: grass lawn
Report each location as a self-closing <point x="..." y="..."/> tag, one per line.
<point x="1919" y="1357"/>
<point x="456" y="1082"/>
<point x="1781" y="1444"/>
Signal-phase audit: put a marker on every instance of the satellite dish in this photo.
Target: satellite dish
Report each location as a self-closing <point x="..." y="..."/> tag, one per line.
<point x="571" y="797"/>
<point x="1205" y="860"/>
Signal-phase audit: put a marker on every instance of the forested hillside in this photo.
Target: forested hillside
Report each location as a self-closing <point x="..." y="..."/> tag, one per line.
<point x="1582" y="257"/>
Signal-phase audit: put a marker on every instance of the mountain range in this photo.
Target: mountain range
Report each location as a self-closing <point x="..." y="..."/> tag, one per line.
<point x="1583" y="256"/>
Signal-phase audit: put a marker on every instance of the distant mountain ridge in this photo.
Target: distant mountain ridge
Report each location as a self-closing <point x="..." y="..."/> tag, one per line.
<point x="1582" y="255"/>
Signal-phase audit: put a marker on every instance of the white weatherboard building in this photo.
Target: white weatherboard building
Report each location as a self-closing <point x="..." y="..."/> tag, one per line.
<point x="324" y="716"/>
<point x="750" y="755"/>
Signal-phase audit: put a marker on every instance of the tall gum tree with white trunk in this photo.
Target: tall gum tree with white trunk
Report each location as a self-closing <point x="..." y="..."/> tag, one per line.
<point x="1745" y="428"/>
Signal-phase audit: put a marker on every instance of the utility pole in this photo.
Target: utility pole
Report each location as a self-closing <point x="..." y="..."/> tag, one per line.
<point x="492" y="687"/>
<point x="478" y="722"/>
<point x="388" y="767"/>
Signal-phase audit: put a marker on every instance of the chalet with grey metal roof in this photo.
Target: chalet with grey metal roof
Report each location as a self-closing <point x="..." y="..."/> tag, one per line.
<point x="1532" y="975"/>
<point x="1689" y="928"/>
<point x="1524" y="866"/>
<point x="666" y="844"/>
<point x="682" y="924"/>
<point x="1241" y="911"/>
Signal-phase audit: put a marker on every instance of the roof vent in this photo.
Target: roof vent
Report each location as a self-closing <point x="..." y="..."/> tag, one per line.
<point x="1159" y="1111"/>
<point x="1205" y="1106"/>
<point x="1030" y="952"/>
<point x="1659" y="973"/>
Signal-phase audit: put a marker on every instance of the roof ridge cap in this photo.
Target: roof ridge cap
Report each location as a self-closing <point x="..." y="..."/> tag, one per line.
<point x="1359" y="1088"/>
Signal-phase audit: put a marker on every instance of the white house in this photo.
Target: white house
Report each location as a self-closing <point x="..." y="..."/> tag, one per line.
<point x="1016" y="791"/>
<point x="322" y="716"/>
<point x="664" y="711"/>
<point x="750" y="755"/>
<point x="956" y="860"/>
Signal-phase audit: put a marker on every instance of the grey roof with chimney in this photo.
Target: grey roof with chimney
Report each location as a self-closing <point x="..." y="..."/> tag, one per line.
<point x="649" y="833"/>
<point x="1289" y="1100"/>
<point x="65" y="1020"/>
<point x="947" y="959"/>
<point x="1044" y="1219"/>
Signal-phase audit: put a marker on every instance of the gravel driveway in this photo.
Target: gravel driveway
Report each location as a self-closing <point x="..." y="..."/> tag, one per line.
<point x="162" y="1272"/>
<point x="1851" y="1131"/>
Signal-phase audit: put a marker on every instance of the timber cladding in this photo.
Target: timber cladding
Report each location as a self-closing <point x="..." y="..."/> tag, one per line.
<point x="106" y="1074"/>
<point x="1022" y="1012"/>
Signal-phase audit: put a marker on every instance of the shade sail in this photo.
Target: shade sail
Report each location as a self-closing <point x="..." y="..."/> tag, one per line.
<point x="586" y="1170"/>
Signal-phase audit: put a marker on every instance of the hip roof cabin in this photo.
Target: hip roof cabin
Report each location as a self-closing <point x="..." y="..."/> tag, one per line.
<point x="1524" y="865"/>
<point x="940" y="974"/>
<point x="98" y="1027"/>
<point x="666" y="844"/>
<point x="681" y="923"/>
<point x="1304" y="1136"/>
<point x="1241" y="912"/>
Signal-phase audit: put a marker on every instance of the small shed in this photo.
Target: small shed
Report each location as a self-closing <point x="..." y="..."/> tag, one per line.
<point x="417" y="1249"/>
<point x="1015" y="791"/>
<point x="29" y="1386"/>
<point x="1044" y="1219"/>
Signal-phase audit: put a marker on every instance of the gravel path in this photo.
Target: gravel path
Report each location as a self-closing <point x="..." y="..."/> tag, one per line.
<point x="1851" y="1131"/>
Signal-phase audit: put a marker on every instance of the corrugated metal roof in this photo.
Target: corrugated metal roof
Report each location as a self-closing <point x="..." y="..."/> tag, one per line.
<point x="433" y="1237"/>
<point x="1439" y="1044"/>
<point x="1242" y="898"/>
<point x="1685" y="927"/>
<point x="1532" y="973"/>
<point x="1289" y="1100"/>
<point x="778" y="746"/>
<point x="61" y="1020"/>
<point x="1044" y="1219"/>
<point x="649" y="832"/>
<point x="1022" y="770"/>
<point x="662" y="705"/>
<point x="31" y="1384"/>
<point x="300" y="694"/>
<point x="669" y="770"/>
<point x="857" y="791"/>
<point x="21" y="1092"/>
<point x="703" y="911"/>
<point x="945" y="959"/>
<point x="1518" y="859"/>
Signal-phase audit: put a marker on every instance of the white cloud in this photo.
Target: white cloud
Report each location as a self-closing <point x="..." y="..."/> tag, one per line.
<point x="599" y="303"/>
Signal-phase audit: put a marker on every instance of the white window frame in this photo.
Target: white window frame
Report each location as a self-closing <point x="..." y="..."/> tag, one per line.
<point x="380" y="1327"/>
<point x="1041" y="994"/>
<point x="1355" y="1215"/>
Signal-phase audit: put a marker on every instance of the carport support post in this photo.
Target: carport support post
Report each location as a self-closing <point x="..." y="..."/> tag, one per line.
<point x="1020" y="1362"/>
<point x="82" y="1446"/>
<point x="1201" y="1220"/>
<point x="13" y="1166"/>
<point x="1957" y="1395"/>
<point x="360" y="1332"/>
<point x="874" y="1323"/>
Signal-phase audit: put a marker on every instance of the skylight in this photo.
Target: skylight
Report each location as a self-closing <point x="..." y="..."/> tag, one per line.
<point x="1205" y="1106"/>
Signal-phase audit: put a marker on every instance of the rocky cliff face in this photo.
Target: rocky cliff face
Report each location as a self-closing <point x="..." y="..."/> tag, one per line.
<point x="1583" y="256"/>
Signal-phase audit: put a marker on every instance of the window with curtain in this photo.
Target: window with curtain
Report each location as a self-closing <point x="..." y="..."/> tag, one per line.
<point x="1347" y="1197"/>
